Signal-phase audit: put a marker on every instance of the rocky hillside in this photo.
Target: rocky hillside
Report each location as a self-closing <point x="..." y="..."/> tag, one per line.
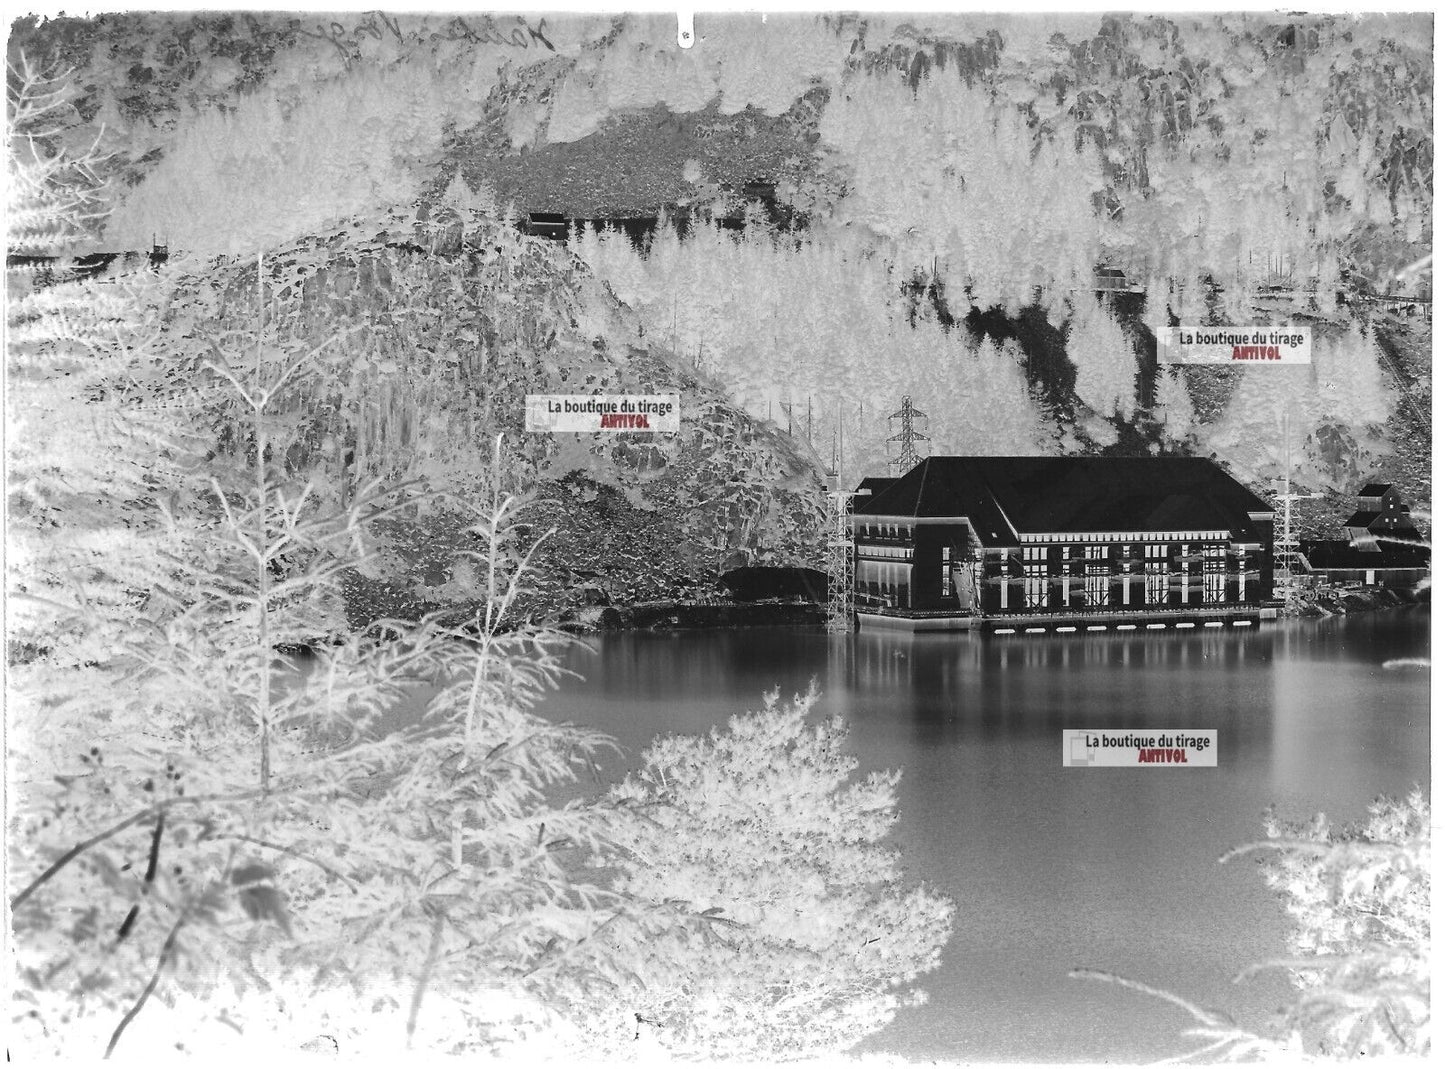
<point x="443" y="320"/>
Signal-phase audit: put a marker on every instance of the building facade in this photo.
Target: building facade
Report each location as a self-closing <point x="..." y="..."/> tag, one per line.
<point x="993" y="538"/>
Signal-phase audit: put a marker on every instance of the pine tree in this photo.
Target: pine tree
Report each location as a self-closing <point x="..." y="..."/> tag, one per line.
<point x="1104" y="357"/>
<point x="1360" y="900"/>
<point x="94" y="426"/>
<point x="1173" y="408"/>
<point x="202" y="818"/>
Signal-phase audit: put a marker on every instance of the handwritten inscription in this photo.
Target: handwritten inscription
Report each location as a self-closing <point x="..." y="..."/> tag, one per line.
<point x="348" y="37"/>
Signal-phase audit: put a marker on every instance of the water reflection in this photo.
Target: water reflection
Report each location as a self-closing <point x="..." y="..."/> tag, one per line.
<point x="1057" y="867"/>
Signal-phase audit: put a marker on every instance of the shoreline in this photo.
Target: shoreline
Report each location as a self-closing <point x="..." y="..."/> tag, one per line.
<point x="1322" y="604"/>
<point x="694" y="616"/>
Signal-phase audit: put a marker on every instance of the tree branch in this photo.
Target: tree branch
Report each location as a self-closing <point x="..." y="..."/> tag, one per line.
<point x="421" y="983"/>
<point x="155" y="979"/>
<point x="293" y="853"/>
<point x="135" y="818"/>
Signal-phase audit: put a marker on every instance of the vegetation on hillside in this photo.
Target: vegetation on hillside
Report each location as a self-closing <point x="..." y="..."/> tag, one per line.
<point x="1237" y="167"/>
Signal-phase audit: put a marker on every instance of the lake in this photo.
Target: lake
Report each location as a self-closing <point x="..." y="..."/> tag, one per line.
<point x="1053" y="867"/>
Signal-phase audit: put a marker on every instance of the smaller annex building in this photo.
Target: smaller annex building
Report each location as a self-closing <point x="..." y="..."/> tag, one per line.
<point x="1382" y="547"/>
<point x="1028" y="544"/>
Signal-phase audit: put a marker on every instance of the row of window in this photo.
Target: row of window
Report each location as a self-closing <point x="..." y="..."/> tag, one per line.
<point x="1126" y="536"/>
<point x="885" y="530"/>
<point x="1151" y="551"/>
<point x="1094" y="592"/>
<point x="1095" y="588"/>
<point x="892" y="552"/>
<point x="892" y="594"/>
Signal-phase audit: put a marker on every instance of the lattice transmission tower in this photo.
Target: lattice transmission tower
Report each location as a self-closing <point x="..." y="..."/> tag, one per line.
<point x="1286" y="545"/>
<point x="840" y="540"/>
<point x="909" y="434"/>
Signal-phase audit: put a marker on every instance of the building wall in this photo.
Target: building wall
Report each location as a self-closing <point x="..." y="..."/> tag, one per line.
<point x="1058" y="577"/>
<point x="1389" y="578"/>
<point x="1264" y="530"/>
<point x="883" y="565"/>
<point x="929" y="541"/>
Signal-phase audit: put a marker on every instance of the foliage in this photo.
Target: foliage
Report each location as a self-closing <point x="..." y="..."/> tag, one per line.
<point x="820" y="327"/>
<point x="762" y="828"/>
<point x="257" y="838"/>
<point x="959" y="185"/>
<point x="1214" y="158"/>
<point x="1104" y="357"/>
<point x="1337" y="405"/>
<point x="267" y="172"/>
<point x="1173" y="408"/>
<point x="1360" y="899"/>
<point x="201" y="816"/>
<point x="81" y="455"/>
<point x="1215" y="149"/>
<point x="452" y="318"/>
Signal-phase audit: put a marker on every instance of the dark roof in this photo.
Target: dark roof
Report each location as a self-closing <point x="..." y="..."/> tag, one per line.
<point x="1325" y="554"/>
<point x="1373" y="490"/>
<point x="1375" y="521"/>
<point x="876" y="484"/>
<point x="1004" y="495"/>
<point x="1363" y="518"/>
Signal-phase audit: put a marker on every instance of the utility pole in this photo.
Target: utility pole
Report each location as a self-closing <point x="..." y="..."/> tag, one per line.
<point x="1286" y="545"/>
<point x="840" y="541"/>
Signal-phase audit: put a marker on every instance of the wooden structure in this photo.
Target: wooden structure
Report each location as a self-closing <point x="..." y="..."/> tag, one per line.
<point x="1009" y="544"/>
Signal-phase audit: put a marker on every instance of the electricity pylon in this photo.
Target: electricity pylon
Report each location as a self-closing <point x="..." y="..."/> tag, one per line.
<point x="907" y="436"/>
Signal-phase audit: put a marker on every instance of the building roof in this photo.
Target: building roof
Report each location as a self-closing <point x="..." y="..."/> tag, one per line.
<point x="1376" y="522"/>
<point x="876" y="484"/>
<point x="1007" y="496"/>
<point x="1373" y="490"/>
<point x="1363" y="518"/>
<point x="1339" y="554"/>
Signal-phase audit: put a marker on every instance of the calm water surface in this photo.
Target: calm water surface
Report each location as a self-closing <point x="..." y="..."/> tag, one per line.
<point x="1053" y="867"/>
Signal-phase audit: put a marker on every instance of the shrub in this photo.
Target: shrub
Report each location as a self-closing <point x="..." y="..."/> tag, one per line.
<point x="811" y="939"/>
<point x="1360" y="897"/>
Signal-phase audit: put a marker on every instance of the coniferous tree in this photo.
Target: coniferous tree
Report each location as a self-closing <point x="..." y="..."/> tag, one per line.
<point x="1104" y="358"/>
<point x="201" y="818"/>
<point x="1173" y="409"/>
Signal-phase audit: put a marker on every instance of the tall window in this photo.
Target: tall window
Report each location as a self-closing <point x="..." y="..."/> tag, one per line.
<point x="1214" y="578"/>
<point x="1156" y="582"/>
<point x="1036" y="586"/>
<point x="1096" y="584"/>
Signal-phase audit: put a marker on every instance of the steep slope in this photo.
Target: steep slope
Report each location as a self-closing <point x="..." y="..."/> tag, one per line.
<point x="440" y="322"/>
